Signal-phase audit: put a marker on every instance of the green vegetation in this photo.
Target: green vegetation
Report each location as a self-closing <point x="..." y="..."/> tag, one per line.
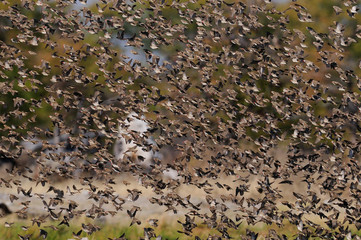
<point x="167" y="231"/>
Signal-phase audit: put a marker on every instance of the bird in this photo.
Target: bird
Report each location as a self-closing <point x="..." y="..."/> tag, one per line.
<point x="127" y="146"/>
<point x="251" y="106"/>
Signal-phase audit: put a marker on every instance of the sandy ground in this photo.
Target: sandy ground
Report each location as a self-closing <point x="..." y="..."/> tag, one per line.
<point x="36" y="208"/>
<point x="148" y="210"/>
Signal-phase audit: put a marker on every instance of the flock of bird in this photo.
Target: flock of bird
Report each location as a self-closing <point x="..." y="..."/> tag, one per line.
<point x="237" y="81"/>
